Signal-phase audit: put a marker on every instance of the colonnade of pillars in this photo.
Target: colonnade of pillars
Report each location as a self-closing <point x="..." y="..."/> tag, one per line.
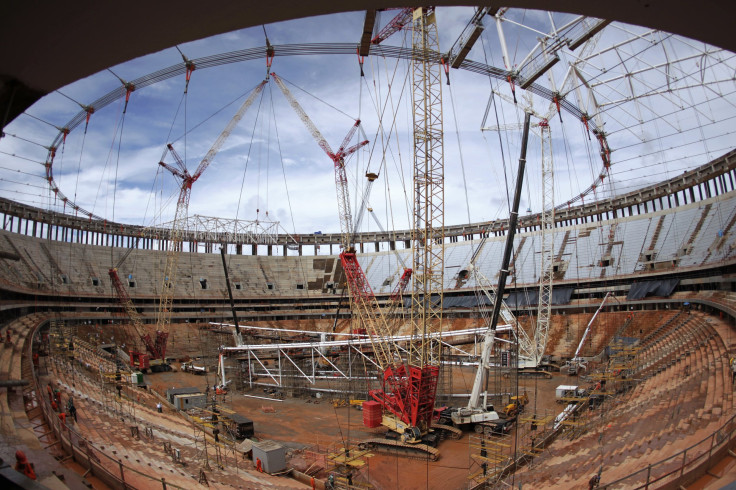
<point x="716" y="186"/>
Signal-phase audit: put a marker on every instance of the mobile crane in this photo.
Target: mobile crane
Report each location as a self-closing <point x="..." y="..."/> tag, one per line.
<point x="138" y="360"/>
<point x="478" y="411"/>
<point x="577" y="363"/>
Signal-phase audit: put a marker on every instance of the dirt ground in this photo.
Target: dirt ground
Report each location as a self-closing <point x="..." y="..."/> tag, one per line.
<point x="314" y="423"/>
<point x="306" y="423"/>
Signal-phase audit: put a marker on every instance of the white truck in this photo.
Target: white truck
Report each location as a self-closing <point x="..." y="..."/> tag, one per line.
<point x="568" y="391"/>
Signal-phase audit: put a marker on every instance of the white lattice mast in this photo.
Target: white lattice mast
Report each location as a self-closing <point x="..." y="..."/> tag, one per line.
<point x="547" y="217"/>
<point x="428" y="227"/>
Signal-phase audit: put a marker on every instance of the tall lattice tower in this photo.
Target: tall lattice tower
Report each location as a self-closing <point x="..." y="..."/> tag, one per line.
<point x="547" y="250"/>
<point x="428" y="227"/>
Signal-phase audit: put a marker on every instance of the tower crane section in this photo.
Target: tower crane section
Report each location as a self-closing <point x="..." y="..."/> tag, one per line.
<point x="541" y="333"/>
<point x="174" y="242"/>
<point x="428" y="220"/>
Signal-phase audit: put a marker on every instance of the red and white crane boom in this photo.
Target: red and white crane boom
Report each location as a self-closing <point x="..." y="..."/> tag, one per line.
<point x="182" y="207"/>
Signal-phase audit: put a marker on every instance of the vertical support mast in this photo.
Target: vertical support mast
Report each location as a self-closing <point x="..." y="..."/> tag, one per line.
<point x="547" y="250"/>
<point x="428" y="226"/>
<point x="498" y="304"/>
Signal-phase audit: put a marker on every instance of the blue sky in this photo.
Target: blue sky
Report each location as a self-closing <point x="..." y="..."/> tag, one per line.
<point x="271" y="164"/>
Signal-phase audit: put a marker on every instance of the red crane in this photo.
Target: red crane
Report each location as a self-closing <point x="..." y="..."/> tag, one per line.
<point x="401" y="20"/>
<point x="404" y="393"/>
<point x="138" y="360"/>
<point x="182" y="207"/>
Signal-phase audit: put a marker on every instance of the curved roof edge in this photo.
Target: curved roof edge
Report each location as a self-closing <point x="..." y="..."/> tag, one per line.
<point x="37" y="56"/>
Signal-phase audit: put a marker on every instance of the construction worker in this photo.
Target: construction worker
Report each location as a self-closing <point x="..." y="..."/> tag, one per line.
<point x="71" y="409"/>
<point x="259" y="465"/>
<point x="594" y="481"/>
<point x="159" y="408"/>
<point x="22" y="465"/>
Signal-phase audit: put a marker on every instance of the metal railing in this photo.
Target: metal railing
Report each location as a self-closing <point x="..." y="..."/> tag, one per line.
<point x="685" y="466"/>
<point x="103" y="466"/>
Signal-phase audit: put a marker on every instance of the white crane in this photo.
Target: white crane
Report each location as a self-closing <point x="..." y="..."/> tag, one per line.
<point x="577" y="362"/>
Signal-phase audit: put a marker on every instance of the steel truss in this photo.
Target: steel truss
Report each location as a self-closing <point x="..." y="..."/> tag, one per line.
<point x="223" y="230"/>
<point x="288" y="354"/>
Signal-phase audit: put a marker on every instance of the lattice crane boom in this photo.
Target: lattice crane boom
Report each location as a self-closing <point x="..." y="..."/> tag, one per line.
<point x="338" y="159"/>
<point x="127" y="303"/>
<point x="541" y="333"/>
<point x="366" y="311"/>
<point x="132" y="313"/>
<point x="173" y="248"/>
<point x="401" y="20"/>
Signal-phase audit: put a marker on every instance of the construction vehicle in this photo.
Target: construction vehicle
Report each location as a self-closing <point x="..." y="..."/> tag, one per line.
<point x="478" y="411"/>
<point x="517" y="405"/>
<point x="154" y="358"/>
<point x="577" y="363"/>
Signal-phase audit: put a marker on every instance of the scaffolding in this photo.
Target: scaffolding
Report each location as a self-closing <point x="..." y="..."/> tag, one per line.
<point x="489" y="456"/>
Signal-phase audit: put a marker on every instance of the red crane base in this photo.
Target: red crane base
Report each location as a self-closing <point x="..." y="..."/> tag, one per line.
<point x="409" y="396"/>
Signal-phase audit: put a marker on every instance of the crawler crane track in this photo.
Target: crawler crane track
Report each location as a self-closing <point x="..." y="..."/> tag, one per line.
<point x="414" y="451"/>
<point x="450" y="431"/>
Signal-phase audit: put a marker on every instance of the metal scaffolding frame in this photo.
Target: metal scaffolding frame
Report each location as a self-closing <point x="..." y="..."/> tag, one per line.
<point x="333" y="360"/>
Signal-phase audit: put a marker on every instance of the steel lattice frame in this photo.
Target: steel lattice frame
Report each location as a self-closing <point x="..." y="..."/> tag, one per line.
<point x="548" y="242"/>
<point x="428" y="227"/>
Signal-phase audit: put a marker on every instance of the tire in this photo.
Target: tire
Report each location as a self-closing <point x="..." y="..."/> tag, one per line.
<point x="478" y="429"/>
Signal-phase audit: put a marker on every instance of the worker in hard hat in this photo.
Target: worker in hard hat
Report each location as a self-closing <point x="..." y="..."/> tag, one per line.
<point x="22" y="465"/>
